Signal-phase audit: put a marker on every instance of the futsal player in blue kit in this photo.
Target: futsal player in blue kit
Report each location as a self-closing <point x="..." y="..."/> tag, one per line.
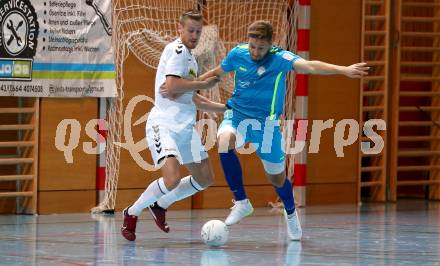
<point x="254" y="110"/>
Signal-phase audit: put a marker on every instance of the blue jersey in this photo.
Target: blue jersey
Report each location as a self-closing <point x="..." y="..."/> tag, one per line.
<point x="260" y="86"/>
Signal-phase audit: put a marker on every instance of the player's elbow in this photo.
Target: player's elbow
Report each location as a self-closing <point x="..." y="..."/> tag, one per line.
<point x="218" y="71"/>
<point x="172" y="84"/>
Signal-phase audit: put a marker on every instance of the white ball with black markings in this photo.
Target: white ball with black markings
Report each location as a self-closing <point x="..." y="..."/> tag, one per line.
<point x="215" y="233"/>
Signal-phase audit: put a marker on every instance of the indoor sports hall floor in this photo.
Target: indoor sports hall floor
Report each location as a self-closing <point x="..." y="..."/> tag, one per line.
<point x="404" y="234"/>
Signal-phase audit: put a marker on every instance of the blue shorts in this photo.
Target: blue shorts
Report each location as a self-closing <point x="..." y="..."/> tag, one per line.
<point x="265" y="136"/>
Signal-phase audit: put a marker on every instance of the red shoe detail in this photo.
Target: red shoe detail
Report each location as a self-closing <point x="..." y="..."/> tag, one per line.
<point x="128" y="229"/>
<point x="159" y="214"/>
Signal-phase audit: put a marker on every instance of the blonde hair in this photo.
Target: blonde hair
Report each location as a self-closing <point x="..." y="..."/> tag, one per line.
<point x="190" y="14"/>
<point x="261" y="29"/>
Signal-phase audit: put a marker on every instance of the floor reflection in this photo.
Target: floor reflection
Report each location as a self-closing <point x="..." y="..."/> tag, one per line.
<point x="375" y="234"/>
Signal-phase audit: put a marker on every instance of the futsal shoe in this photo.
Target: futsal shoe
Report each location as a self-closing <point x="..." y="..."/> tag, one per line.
<point x="159" y="214"/>
<point x="293" y="226"/>
<point x="241" y="209"/>
<point x="128" y="229"/>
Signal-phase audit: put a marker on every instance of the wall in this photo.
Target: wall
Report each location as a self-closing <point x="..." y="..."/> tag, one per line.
<point x="64" y="187"/>
<point x="335" y="38"/>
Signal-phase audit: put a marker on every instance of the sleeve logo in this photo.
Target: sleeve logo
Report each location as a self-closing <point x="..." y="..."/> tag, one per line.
<point x="288" y="56"/>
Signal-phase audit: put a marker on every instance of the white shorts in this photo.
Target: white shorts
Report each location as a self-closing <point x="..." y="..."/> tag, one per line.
<point x="163" y="141"/>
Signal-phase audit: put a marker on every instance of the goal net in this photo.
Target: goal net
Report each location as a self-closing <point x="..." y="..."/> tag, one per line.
<point x="144" y="27"/>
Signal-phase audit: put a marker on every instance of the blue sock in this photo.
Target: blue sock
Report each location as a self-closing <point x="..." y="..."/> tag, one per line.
<point x="286" y="194"/>
<point x="232" y="170"/>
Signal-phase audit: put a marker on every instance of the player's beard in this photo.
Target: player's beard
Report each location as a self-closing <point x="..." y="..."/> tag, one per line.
<point x="257" y="58"/>
<point x="193" y="44"/>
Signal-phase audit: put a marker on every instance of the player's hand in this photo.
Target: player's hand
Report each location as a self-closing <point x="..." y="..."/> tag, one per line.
<point x="357" y="70"/>
<point x="211" y="115"/>
<point x="211" y="81"/>
<point x="166" y="92"/>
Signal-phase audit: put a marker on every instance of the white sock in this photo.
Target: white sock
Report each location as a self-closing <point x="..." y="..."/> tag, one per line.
<point x="187" y="187"/>
<point x="153" y="192"/>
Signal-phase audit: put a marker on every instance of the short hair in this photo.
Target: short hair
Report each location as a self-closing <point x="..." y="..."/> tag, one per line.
<point x="191" y="14"/>
<point x="261" y="29"/>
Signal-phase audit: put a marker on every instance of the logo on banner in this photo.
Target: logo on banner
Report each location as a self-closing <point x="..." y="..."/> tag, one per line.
<point x="18" y="39"/>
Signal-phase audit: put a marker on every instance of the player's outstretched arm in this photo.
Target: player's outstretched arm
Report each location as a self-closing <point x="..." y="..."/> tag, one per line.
<point x="204" y="104"/>
<point x="215" y="72"/>
<point x="321" y="68"/>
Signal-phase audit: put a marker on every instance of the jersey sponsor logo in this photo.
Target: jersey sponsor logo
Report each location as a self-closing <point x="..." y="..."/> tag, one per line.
<point x="288" y="56"/>
<point x="242" y="69"/>
<point x="261" y="70"/>
<point x="192" y="73"/>
<point x="244" y="84"/>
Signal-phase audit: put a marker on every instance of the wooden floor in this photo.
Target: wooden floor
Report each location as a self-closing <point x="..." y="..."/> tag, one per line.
<point x="407" y="233"/>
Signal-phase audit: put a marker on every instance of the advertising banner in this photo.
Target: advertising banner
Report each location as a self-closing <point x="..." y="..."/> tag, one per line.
<point x="56" y="48"/>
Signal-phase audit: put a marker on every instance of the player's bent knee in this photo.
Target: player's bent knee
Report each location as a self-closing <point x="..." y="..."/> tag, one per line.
<point x="204" y="181"/>
<point x="206" y="178"/>
<point x="277" y="180"/>
<point x="202" y="173"/>
<point x="273" y="168"/>
<point x="226" y="141"/>
<point x="171" y="173"/>
<point x="275" y="173"/>
<point x="171" y="182"/>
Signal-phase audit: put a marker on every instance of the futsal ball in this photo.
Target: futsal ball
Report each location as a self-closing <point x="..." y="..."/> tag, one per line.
<point x="215" y="233"/>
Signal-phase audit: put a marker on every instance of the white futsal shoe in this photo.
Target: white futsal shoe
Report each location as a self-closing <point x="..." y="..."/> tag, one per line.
<point x="241" y="209"/>
<point x="293" y="226"/>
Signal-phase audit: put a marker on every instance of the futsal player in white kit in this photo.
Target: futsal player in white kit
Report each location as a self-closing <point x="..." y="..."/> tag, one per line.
<point x="171" y="136"/>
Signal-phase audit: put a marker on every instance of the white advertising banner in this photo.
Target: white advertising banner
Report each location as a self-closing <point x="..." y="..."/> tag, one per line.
<point x="56" y="48"/>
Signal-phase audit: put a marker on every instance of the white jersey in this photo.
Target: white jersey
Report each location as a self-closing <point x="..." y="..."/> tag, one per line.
<point x="176" y="60"/>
